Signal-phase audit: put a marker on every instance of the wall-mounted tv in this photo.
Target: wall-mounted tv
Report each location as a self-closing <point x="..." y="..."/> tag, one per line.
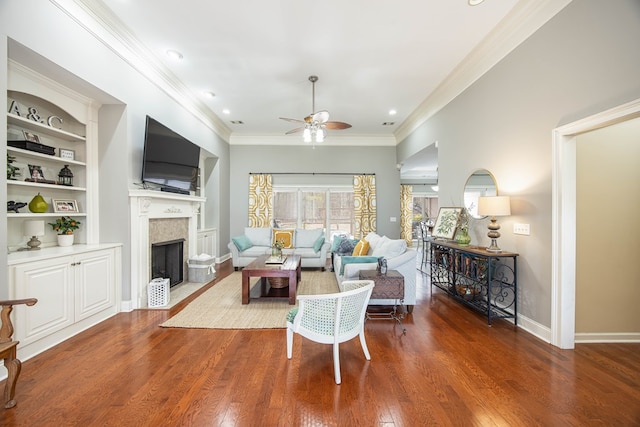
<point x="169" y="160"/>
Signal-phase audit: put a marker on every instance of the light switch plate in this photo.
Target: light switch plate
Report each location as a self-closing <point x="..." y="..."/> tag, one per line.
<point x="523" y="229"/>
<point x="393" y="219"/>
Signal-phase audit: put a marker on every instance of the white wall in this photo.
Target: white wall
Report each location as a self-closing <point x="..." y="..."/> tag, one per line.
<point x="44" y="38"/>
<point x="583" y="61"/>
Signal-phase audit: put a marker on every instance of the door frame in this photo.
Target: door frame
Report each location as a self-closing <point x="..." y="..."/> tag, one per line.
<point x="563" y="206"/>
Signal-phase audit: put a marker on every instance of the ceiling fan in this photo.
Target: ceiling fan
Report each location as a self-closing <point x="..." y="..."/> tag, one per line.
<point x="315" y="124"/>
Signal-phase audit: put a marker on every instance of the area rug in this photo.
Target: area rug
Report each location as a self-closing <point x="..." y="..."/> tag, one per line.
<point x="221" y="306"/>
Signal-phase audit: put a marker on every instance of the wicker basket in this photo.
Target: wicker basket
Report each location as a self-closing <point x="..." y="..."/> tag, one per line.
<point x="279" y="282"/>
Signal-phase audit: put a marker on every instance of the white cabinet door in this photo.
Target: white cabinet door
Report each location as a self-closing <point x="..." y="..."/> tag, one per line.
<point x="49" y="281"/>
<point x="94" y="283"/>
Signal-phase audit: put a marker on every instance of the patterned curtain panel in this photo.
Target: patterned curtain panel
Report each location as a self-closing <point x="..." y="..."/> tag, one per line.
<point x="260" y="200"/>
<point x="406" y="213"/>
<point x="364" y="194"/>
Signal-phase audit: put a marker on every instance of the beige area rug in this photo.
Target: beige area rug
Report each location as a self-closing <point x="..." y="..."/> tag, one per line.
<point x="221" y="306"/>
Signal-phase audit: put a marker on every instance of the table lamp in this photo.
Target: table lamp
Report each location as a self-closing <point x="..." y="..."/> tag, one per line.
<point x="494" y="206"/>
<point x="33" y="228"/>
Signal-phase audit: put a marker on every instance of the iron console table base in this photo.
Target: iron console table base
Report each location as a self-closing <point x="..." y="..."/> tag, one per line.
<point x="485" y="281"/>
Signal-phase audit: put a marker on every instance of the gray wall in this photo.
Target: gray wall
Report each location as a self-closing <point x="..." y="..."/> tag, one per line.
<point x="57" y="47"/>
<point x="585" y="60"/>
<point x="322" y="159"/>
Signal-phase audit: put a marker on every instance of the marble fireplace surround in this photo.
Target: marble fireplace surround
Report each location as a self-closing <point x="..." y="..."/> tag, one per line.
<point x="156" y="217"/>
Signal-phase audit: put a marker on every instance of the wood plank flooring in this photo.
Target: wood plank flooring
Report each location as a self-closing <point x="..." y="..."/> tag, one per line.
<point x="449" y="369"/>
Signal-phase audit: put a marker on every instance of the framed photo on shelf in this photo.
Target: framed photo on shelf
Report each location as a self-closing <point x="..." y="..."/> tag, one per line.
<point x="32" y="137"/>
<point x="446" y="223"/>
<point x="67" y="154"/>
<point x="35" y="172"/>
<point x="65" y="205"/>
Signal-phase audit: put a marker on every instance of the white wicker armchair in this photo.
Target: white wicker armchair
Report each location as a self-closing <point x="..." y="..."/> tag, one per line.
<point x="332" y="318"/>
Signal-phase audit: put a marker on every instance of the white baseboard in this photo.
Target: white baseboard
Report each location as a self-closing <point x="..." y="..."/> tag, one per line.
<point x="608" y="337"/>
<point x="534" y="328"/>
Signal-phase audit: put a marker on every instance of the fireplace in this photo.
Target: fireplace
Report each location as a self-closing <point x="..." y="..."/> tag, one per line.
<point x="167" y="261"/>
<point x="158" y="217"/>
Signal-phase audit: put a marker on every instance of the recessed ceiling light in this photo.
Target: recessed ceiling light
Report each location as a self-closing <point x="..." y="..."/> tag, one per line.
<point x="226" y="111"/>
<point x="209" y="94"/>
<point x="392" y="112"/>
<point x="475" y="2"/>
<point x="174" y="54"/>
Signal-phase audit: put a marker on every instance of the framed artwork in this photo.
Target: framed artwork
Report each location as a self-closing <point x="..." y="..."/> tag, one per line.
<point x="67" y="154"/>
<point x="35" y="172"/>
<point x="64" y="205"/>
<point x="446" y="223"/>
<point x="28" y="136"/>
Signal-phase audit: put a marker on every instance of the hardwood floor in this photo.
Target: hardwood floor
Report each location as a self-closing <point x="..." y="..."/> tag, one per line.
<point x="449" y="369"/>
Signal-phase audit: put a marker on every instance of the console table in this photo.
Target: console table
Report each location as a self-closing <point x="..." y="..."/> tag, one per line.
<point x="485" y="281"/>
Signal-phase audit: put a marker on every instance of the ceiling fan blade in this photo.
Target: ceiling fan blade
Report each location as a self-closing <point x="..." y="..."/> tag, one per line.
<point x="321" y="116"/>
<point x="292" y="120"/>
<point x="294" y="131"/>
<point x="337" y="125"/>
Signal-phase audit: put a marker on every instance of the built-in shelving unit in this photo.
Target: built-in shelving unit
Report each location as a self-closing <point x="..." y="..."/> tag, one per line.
<point x="42" y="121"/>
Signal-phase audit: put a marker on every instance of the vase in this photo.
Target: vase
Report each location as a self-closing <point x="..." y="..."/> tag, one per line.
<point x="463" y="238"/>
<point x="65" y="239"/>
<point x="276" y="253"/>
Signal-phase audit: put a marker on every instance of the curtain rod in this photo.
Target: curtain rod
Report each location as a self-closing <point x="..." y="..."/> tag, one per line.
<point x="309" y="173"/>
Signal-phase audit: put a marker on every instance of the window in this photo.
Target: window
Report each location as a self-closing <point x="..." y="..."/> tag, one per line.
<point x="326" y="208"/>
<point x="424" y="207"/>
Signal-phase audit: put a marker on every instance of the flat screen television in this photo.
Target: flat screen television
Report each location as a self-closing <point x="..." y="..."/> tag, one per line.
<point x="169" y="160"/>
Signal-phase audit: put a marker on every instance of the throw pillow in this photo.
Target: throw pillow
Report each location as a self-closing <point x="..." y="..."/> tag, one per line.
<point x="346" y="247"/>
<point x="285" y="236"/>
<point x="242" y="243"/>
<point x="318" y="244"/>
<point x="337" y="239"/>
<point x="373" y="239"/>
<point x="390" y="248"/>
<point x="362" y="248"/>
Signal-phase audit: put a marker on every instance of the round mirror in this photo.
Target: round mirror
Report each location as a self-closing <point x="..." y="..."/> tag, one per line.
<point x="480" y="183"/>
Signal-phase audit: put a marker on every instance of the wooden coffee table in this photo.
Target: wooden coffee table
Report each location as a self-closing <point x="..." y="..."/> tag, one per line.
<point x="290" y="269"/>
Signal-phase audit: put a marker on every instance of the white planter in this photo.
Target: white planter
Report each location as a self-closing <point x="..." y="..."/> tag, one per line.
<point x="65" y="239"/>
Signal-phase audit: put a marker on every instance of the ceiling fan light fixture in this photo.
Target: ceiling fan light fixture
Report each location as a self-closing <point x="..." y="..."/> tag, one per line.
<point x="306" y="135"/>
<point x="320" y="135"/>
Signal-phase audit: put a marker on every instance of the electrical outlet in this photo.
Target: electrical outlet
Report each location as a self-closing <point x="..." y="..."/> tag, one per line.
<point x="393" y="219"/>
<point x="521" y="229"/>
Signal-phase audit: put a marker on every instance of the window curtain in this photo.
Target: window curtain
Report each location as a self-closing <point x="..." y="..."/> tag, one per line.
<point x="406" y="213"/>
<point x="260" y="200"/>
<point x="364" y="195"/>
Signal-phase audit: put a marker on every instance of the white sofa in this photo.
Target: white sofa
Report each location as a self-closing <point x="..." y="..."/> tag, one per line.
<point x="306" y="243"/>
<point x="398" y="257"/>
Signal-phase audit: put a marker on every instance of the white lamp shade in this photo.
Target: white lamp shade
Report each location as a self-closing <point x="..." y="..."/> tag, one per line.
<point x="33" y="228"/>
<point x="494" y="206"/>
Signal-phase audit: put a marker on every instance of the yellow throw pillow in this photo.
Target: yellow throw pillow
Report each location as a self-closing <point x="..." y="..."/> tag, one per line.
<point x="284" y="235"/>
<point x="361" y="249"/>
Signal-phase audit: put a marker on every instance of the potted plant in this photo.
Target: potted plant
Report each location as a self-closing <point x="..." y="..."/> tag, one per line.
<point x="65" y="226"/>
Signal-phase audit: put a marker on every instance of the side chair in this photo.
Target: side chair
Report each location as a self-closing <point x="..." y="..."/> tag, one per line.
<point x="8" y="349"/>
<point x="332" y="318"/>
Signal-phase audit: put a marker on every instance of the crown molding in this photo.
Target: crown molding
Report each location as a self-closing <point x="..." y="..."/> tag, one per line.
<point x="332" y="140"/>
<point x="525" y="19"/>
<point x="98" y="20"/>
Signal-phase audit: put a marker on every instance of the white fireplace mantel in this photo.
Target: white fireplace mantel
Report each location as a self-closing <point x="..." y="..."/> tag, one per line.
<point x="145" y="205"/>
